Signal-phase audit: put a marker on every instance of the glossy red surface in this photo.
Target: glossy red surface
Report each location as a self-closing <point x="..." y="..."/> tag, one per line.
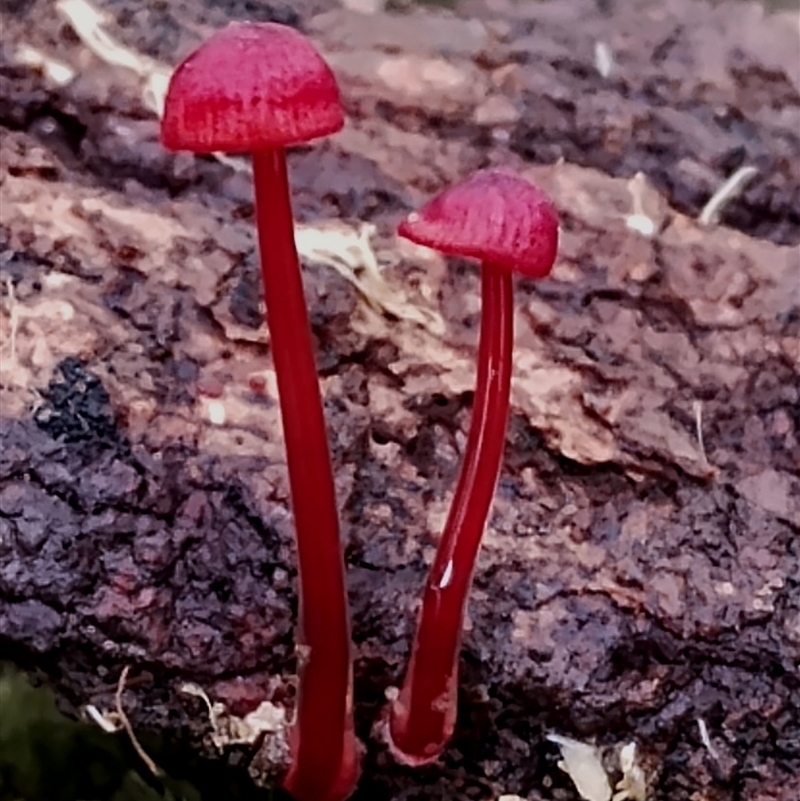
<point x="250" y="86"/>
<point x="492" y="216"/>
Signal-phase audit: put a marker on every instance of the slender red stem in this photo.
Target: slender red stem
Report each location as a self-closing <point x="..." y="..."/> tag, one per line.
<point x="324" y="754"/>
<point x="423" y="716"/>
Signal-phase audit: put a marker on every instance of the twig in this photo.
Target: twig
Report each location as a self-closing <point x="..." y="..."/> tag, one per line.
<point x="126" y="724"/>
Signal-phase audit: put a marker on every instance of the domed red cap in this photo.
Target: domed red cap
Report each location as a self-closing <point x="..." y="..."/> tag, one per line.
<point x="251" y="86"/>
<point x="492" y="216"/>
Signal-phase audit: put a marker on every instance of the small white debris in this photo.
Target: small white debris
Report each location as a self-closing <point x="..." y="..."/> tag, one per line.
<point x="348" y="250"/>
<point x="641" y="224"/>
<point x="154" y="92"/>
<point x="228" y="729"/>
<point x="638" y="220"/>
<point x="107" y="722"/>
<point x="364" y="6"/>
<point x="633" y="785"/>
<point x="603" y="59"/>
<point x="697" y="407"/>
<point x="56" y="72"/>
<point x="216" y="412"/>
<point x="706" y="740"/>
<point x="267" y="724"/>
<point x="581" y="761"/>
<point x="727" y="192"/>
<point x="89" y="23"/>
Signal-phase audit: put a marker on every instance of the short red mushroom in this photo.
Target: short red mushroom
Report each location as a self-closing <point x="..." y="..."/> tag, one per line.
<point x="510" y="226"/>
<point x="259" y="88"/>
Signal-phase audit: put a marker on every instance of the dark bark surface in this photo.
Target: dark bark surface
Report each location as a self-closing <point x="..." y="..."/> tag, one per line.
<point x="641" y="568"/>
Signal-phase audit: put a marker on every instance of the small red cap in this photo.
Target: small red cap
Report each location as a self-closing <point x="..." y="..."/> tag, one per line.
<point x="492" y="216"/>
<point x="251" y="86"/>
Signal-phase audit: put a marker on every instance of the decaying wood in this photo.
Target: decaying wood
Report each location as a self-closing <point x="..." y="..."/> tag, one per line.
<point x="639" y="577"/>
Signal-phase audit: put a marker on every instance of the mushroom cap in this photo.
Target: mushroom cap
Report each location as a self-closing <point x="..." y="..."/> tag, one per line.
<point x="493" y="216"/>
<point x="251" y="86"/>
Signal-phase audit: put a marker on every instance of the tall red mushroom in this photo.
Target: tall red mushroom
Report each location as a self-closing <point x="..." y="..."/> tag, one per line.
<point x="511" y="226"/>
<point x="258" y="88"/>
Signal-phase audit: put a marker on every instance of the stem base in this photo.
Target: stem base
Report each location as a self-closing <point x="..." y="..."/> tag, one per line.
<point x="423" y="716"/>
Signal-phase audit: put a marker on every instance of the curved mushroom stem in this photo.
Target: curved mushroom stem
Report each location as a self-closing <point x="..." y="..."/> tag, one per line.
<point x="324" y="752"/>
<point x="423" y="716"/>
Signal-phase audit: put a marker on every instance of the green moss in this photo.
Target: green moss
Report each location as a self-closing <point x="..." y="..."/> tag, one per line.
<point x="46" y="756"/>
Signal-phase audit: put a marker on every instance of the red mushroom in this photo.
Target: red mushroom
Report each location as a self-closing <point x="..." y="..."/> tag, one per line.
<point x="511" y="226"/>
<point x="258" y="88"/>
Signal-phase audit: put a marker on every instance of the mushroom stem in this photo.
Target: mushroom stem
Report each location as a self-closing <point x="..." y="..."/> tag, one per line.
<point x="324" y="754"/>
<point x="423" y="716"/>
